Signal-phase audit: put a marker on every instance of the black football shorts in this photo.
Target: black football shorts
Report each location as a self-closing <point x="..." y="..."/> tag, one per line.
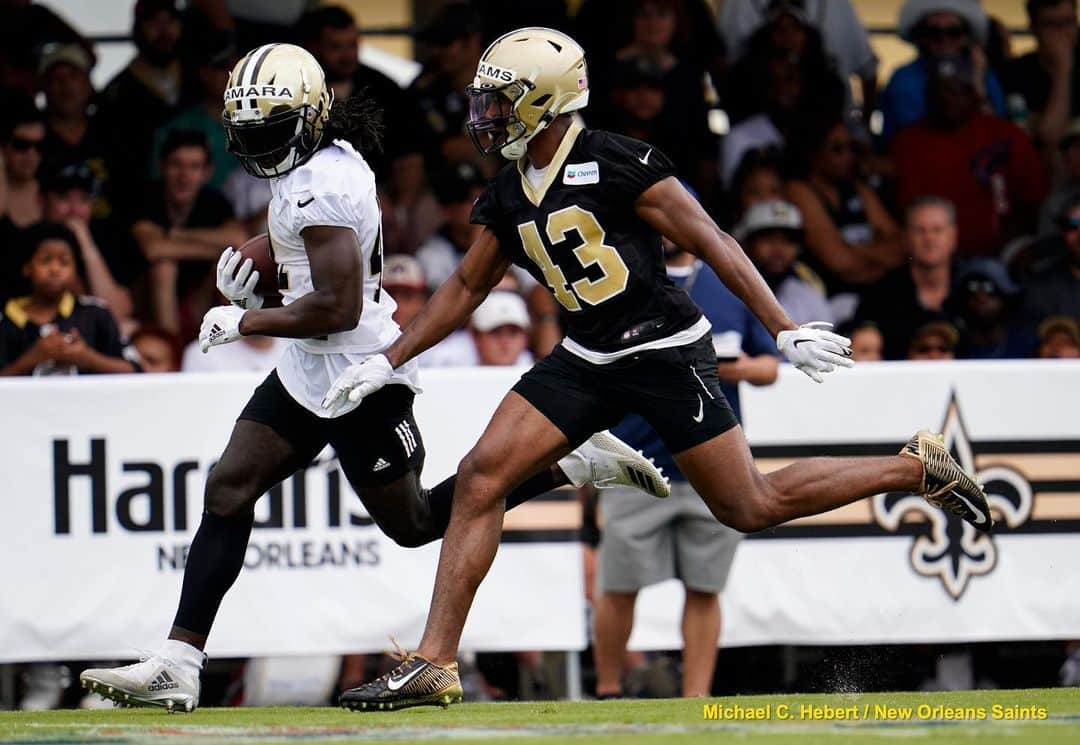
<point x="676" y="390"/>
<point x="376" y="443"/>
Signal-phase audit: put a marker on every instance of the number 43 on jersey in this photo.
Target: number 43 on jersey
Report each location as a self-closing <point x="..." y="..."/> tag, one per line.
<point x="592" y="252"/>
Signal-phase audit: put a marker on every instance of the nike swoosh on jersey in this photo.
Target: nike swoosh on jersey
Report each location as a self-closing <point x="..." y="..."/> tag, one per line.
<point x="304" y="204"/>
<point x="645" y="158"/>
<point x="395" y="684"/>
<point x="700" y="410"/>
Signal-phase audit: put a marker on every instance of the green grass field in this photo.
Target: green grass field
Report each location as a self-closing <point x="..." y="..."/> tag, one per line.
<point x="589" y="722"/>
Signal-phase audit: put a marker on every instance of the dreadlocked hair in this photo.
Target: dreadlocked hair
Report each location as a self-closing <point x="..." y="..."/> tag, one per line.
<point x="358" y="120"/>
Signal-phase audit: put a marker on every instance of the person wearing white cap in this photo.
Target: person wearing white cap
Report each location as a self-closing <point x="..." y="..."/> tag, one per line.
<point x="772" y="234"/>
<point x="500" y="330"/>
<point x="938" y="29"/>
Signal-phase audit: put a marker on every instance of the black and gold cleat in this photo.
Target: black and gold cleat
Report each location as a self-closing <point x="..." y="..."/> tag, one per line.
<point x="414" y="682"/>
<point x="946" y="484"/>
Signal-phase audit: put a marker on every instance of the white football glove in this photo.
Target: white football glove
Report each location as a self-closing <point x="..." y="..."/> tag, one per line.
<point x="358" y="382"/>
<point x="220" y="325"/>
<point x="236" y="281"/>
<point x="814" y="349"/>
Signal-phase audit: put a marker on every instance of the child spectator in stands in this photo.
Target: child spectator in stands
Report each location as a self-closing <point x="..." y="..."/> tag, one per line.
<point x="1043" y="84"/>
<point x="851" y="239"/>
<point x="1054" y="286"/>
<point x="159" y="351"/>
<point x="1059" y="338"/>
<point x="939" y="29"/>
<point x="52" y="331"/>
<point x="867" y="342"/>
<point x="181" y="229"/>
<point x="214" y="55"/>
<point x="73" y="133"/>
<point x="68" y="198"/>
<point x="983" y="164"/>
<point x="403" y="280"/>
<point x="984" y="301"/>
<point x="907" y="296"/>
<point x="771" y="232"/>
<point x="935" y="340"/>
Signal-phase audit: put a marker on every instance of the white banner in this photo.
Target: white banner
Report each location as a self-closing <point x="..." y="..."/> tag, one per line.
<point x="102" y="494"/>
<point x="103" y="488"/>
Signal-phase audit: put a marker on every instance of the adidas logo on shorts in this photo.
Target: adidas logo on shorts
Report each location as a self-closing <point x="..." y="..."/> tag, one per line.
<point x="380" y="465"/>
<point x="163" y="682"/>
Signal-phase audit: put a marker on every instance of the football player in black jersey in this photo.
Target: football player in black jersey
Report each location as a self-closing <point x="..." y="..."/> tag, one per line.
<point x="583" y="211"/>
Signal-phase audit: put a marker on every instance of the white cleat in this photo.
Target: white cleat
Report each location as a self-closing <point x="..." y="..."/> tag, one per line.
<point x="154" y="682"/>
<point x="614" y="463"/>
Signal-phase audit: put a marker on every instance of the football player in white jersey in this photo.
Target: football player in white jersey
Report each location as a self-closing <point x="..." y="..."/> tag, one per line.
<point x="324" y="227"/>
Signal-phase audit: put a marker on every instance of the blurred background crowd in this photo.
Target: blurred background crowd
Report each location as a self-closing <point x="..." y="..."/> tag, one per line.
<point x="931" y="213"/>
<point x="934" y="214"/>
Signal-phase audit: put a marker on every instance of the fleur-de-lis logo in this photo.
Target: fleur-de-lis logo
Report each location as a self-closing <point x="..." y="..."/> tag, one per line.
<point x="947" y="547"/>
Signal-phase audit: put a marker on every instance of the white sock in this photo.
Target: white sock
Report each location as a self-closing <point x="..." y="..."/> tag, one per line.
<point x="576" y="468"/>
<point x="189" y="657"/>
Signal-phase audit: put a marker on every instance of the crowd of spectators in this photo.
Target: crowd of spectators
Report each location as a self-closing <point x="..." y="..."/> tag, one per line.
<point x="941" y="214"/>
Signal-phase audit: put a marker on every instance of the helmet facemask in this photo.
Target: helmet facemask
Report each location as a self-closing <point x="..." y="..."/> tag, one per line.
<point x="494" y="124"/>
<point x="273" y="146"/>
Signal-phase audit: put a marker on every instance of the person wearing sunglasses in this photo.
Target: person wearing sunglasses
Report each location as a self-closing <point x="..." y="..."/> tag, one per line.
<point x="1054" y="288"/>
<point x="985" y="303"/>
<point x="938" y="29"/>
<point x="21" y="138"/>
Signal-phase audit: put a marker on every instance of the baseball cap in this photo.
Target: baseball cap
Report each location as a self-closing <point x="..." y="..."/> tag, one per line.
<point x="72" y="54"/>
<point x="940" y="328"/>
<point x="453" y="184"/>
<point x="501" y="309"/>
<point x="1071" y="134"/>
<point x="1059" y="324"/>
<point x="451" y="22"/>
<point x="637" y="71"/>
<point x="989" y="269"/>
<point x="914" y="11"/>
<point x="403" y="271"/>
<point x="794" y="8"/>
<point x="772" y="214"/>
<point x="70" y="176"/>
<point x="146" y="8"/>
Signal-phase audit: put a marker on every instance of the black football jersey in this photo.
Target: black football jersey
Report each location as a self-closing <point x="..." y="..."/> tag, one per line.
<point x="578" y="233"/>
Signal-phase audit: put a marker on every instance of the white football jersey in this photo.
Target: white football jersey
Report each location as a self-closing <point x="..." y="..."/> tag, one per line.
<point x="334" y="187"/>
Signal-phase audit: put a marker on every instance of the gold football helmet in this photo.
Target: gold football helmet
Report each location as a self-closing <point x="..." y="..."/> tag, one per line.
<point x="524" y="80"/>
<point x="276" y="107"/>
